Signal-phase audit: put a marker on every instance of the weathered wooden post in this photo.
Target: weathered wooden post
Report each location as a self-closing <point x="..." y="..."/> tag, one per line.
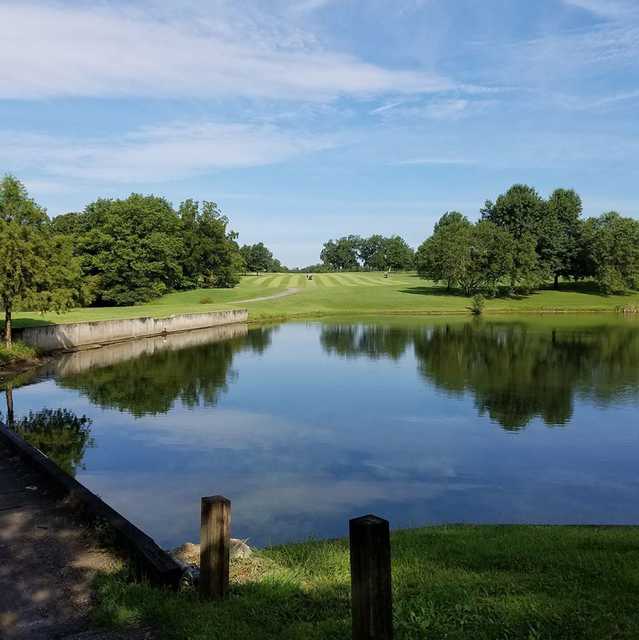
<point x="215" y="536"/>
<point x="10" y="414"/>
<point x="371" y="594"/>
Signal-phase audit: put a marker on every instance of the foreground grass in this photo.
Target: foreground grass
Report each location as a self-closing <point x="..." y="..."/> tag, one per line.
<point x="342" y="293"/>
<point x="450" y="582"/>
<point x="18" y="352"/>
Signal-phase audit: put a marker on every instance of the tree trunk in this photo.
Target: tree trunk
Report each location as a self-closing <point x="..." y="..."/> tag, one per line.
<point x="10" y="414"/>
<point x="8" y="341"/>
<point x="556" y="281"/>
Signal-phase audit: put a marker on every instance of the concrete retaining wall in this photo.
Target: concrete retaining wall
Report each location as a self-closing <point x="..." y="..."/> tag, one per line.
<point x="85" y="334"/>
<point x="75" y="362"/>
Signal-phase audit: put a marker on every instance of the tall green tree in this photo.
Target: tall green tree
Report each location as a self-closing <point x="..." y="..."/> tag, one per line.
<point x="258" y="257"/>
<point x="475" y="257"/>
<point x="443" y="257"/>
<point x="37" y="267"/>
<point x="521" y="211"/>
<point x="558" y="243"/>
<point x="342" y="254"/>
<point x="211" y="256"/>
<point x="612" y="252"/>
<point x="378" y="253"/>
<point x="397" y="254"/>
<point x="132" y="249"/>
<point x="372" y="254"/>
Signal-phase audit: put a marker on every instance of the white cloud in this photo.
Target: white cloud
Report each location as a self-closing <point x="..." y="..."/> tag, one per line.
<point x="157" y="153"/>
<point x="102" y="50"/>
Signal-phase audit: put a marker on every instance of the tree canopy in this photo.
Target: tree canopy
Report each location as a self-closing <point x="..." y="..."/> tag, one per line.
<point x="135" y="249"/>
<point x="611" y="245"/>
<point x="523" y="241"/>
<point x="258" y="258"/>
<point x="37" y="267"/>
<point x="376" y="253"/>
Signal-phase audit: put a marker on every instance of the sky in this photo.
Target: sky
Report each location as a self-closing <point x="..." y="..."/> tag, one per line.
<point x="310" y="119"/>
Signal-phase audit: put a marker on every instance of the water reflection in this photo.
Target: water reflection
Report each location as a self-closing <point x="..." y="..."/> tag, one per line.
<point x="60" y="434"/>
<point x="147" y="377"/>
<point x="309" y="424"/>
<point x="515" y="371"/>
<point x="373" y="341"/>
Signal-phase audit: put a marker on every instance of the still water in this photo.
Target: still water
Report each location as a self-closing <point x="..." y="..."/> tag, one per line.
<point x="304" y="425"/>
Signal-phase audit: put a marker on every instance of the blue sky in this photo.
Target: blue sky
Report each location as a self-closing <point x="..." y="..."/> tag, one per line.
<point x="310" y="119"/>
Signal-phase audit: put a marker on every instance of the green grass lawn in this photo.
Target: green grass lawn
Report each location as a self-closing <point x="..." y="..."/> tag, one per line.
<point x="343" y="293"/>
<point x="471" y="582"/>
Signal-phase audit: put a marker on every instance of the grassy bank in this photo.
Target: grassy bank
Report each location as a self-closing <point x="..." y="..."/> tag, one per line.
<point x="19" y="352"/>
<point x="452" y="582"/>
<point x="344" y="293"/>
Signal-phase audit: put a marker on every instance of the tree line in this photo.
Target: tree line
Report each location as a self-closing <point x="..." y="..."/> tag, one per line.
<point x="523" y="241"/>
<point x="114" y="252"/>
<point x="376" y="253"/>
<point x="132" y="250"/>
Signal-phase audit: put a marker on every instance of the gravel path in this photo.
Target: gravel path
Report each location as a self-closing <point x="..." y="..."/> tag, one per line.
<point x="289" y="292"/>
<point x="47" y="562"/>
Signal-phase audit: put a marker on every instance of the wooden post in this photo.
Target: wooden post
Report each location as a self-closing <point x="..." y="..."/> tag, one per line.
<point x="371" y="595"/>
<point x="215" y="536"/>
<point x="10" y="414"/>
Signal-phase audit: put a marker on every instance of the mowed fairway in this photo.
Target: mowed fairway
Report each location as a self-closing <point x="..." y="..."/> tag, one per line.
<point x="341" y="294"/>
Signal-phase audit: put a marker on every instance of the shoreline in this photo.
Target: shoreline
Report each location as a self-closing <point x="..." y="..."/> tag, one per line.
<point x="14" y="368"/>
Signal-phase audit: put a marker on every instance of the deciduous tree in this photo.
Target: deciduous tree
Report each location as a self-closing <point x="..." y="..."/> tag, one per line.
<point x="37" y="267"/>
<point x="612" y="249"/>
<point x="342" y="254"/>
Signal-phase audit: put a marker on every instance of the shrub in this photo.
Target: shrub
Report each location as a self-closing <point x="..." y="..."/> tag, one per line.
<point x="477" y="304"/>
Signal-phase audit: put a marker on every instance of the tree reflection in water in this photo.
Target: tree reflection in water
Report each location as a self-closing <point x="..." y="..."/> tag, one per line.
<point x="515" y="371"/>
<point x="151" y="383"/>
<point x="60" y="434"/>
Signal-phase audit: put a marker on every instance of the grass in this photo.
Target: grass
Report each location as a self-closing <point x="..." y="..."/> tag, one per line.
<point x="18" y="352"/>
<point x="344" y="293"/>
<point x="479" y="582"/>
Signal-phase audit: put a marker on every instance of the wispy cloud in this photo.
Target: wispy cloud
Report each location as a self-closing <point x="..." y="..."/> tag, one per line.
<point x="153" y="154"/>
<point x="606" y="8"/>
<point x="304" y="6"/>
<point x="434" y="109"/>
<point x="81" y="50"/>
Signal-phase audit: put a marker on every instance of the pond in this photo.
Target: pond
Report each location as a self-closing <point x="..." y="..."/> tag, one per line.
<point x="305" y="425"/>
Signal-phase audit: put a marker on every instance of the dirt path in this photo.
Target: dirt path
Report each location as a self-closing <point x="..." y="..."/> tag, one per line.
<point x="289" y="292"/>
<point x="47" y="561"/>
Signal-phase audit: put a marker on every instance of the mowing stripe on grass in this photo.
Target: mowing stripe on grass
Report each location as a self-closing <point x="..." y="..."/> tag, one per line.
<point x="300" y="282"/>
<point x="266" y="282"/>
<point x="278" y="281"/>
<point x="367" y="281"/>
<point x="333" y="281"/>
<point x="323" y="280"/>
<point x="350" y="280"/>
